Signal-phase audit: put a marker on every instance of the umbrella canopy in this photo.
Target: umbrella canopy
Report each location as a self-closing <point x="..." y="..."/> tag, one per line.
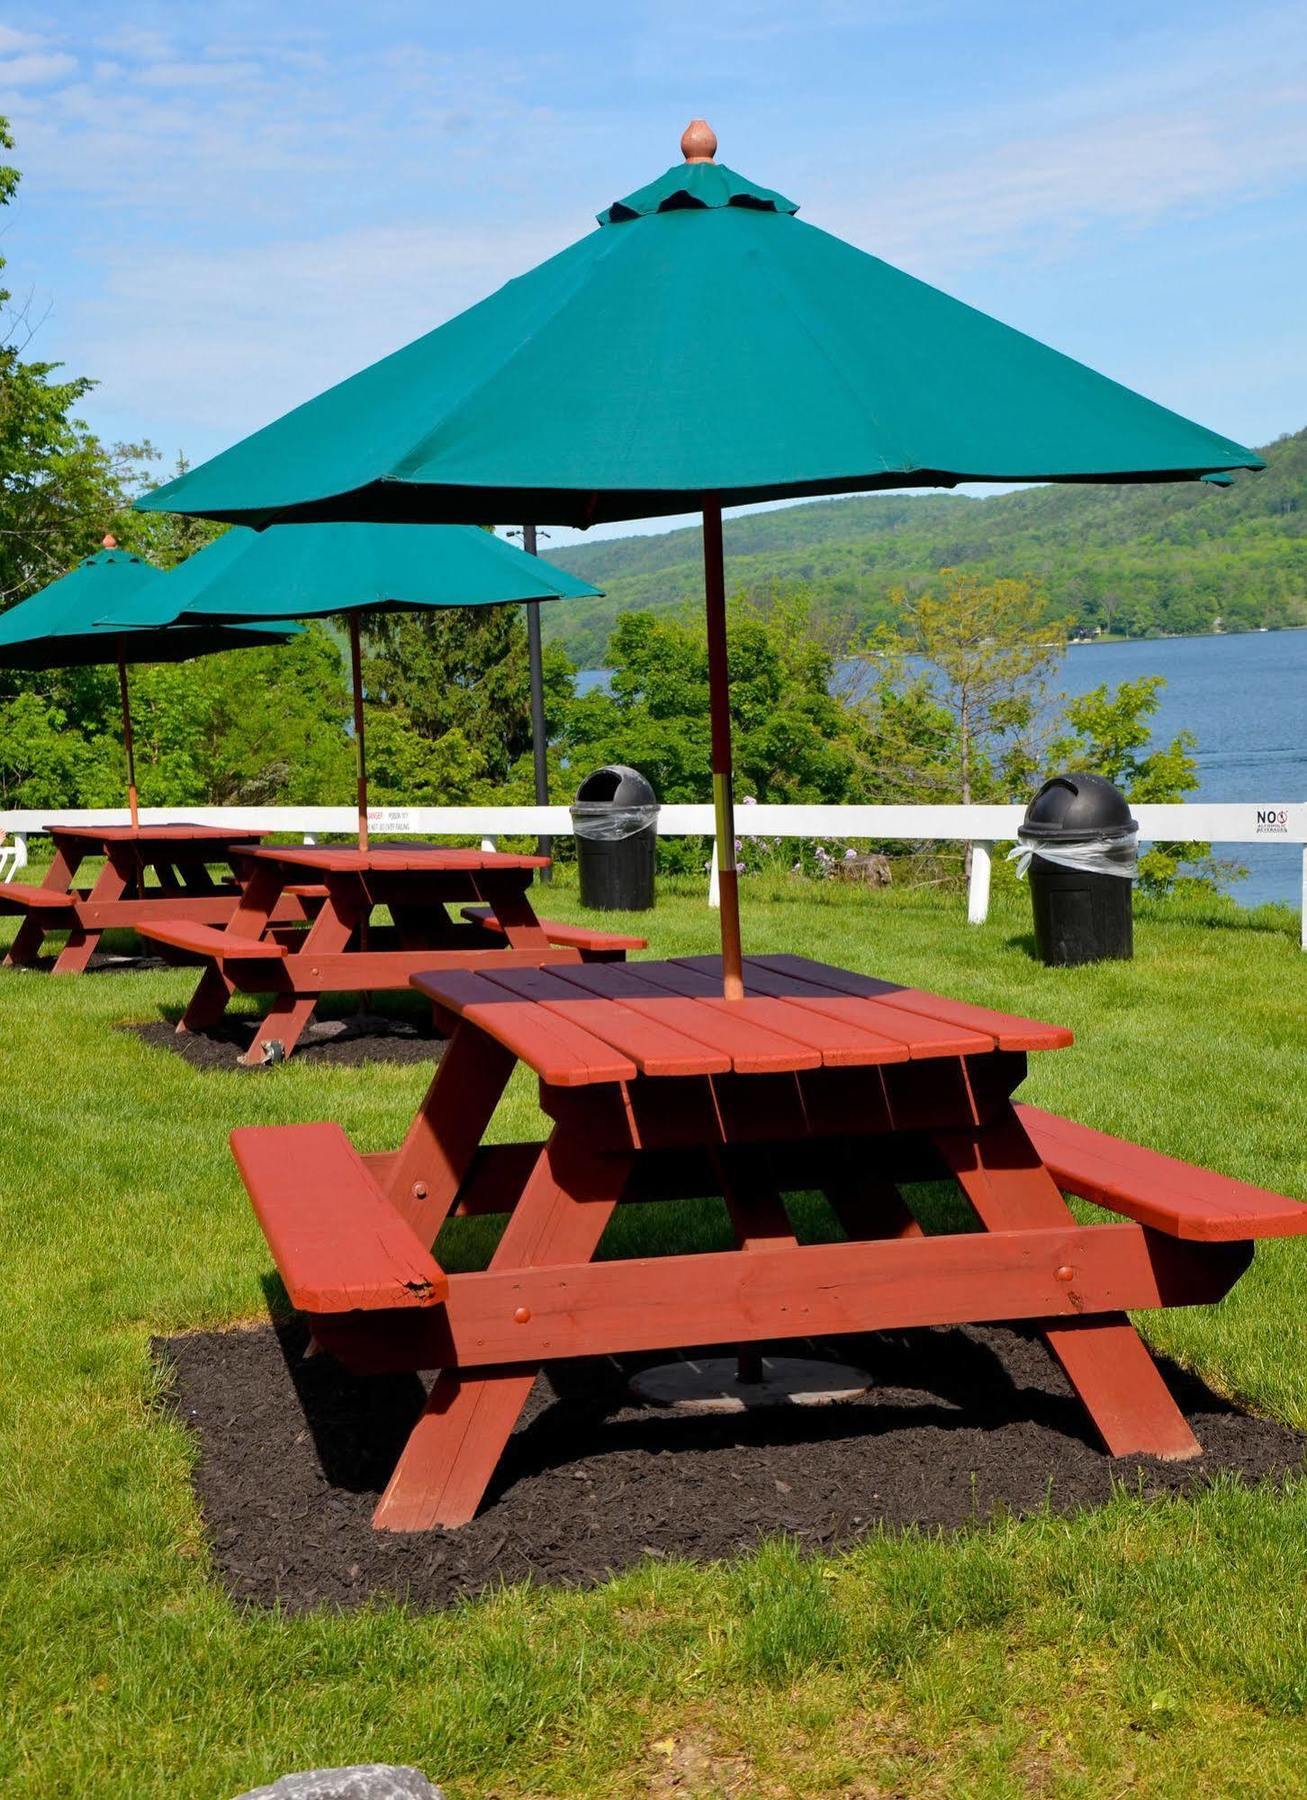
<point x="702" y="348"/>
<point x="80" y="620"/>
<point x="303" y="572"/>
<point x="290" y="573"/>
<point x="85" y="616"/>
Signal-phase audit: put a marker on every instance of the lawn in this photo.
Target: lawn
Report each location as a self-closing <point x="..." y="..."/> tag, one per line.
<point x="1155" y="1648"/>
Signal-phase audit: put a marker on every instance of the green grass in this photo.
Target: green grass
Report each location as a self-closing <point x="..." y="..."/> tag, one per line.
<point x="1155" y="1648"/>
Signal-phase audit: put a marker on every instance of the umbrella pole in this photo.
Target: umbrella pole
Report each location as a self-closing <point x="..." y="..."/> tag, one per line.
<point x="719" y="713"/>
<point x="128" y="745"/>
<point x="360" y="747"/>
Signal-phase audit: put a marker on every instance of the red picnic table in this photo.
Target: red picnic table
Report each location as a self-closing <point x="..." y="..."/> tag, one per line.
<point x="151" y="872"/>
<point x="343" y="950"/>
<point x="657" y="1087"/>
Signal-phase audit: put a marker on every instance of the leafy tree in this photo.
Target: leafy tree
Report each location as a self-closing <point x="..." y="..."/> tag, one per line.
<point x="449" y="694"/>
<point x="989" y="649"/>
<point x="1109" y="732"/>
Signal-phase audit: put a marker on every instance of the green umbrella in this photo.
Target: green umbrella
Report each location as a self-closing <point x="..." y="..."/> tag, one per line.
<point x="306" y="572"/>
<point x="82" y="619"/>
<point x="703" y="348"/>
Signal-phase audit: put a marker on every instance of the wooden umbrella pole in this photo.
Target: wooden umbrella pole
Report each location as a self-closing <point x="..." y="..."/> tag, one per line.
<point x="360" y="746"/>
<point x="719" y="713"/>
<point x="128" y="744"/>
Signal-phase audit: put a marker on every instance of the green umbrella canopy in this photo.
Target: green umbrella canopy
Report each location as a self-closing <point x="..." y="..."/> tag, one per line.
<point x="298" y="572"/>
<point x="703" y="341"/>
<point x="703" y="348"/>
<point x="85" y="617"/>
<point x="308" y="571"/>
<point x="79" y="620"/>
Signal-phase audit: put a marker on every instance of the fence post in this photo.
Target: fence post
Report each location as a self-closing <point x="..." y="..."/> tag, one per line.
<point x="978" y="888"/>
<point x="489" y="844"/>
<point x="20" y="857"/>
<point x="714" y="887"/>
<point x="310" y="839"/>
<point x="1303" y="914"/>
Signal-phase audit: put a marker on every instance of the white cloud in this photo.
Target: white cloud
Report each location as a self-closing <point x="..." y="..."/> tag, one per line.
<point x="35" y="69"/>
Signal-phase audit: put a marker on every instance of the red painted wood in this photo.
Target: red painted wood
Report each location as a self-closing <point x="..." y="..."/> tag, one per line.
<point x="579" y="937"/>
<point x="923" y="1037"/>
<point x="388" y="859"/>
<point x="19" y="896"/>
<point x="144" y="835"/>
<point x="1158" y="1190"/>
<point x="338" y="1243"/>
<point x="425" y="1175"/>
<point x="673" y="1302"/>
<point x="451" y="1455"/>
<point x="1109" y="1366"/>
<point x="205" y="940"/>
<point x="1009" y="1031"/>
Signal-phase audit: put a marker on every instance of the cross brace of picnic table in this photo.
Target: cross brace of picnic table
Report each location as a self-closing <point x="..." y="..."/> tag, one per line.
<point x="656" y="1087"/>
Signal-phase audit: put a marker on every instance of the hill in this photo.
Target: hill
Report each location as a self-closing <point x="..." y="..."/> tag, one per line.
<point x="1139" y="560"/>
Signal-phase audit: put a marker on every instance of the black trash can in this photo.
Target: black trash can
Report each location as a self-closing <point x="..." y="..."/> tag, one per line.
<point x="615" y="818"/>
<point x="1083" y="847"/>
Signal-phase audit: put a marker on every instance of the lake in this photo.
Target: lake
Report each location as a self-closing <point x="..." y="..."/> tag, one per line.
<point x="1245" y="700"/>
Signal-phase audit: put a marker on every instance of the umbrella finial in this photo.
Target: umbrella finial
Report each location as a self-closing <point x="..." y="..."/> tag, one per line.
<point x="698" y="142"/>
<point x="109" y="541"/>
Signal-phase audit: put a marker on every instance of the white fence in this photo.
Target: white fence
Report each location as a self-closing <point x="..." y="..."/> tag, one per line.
<point x="983" y="827"/>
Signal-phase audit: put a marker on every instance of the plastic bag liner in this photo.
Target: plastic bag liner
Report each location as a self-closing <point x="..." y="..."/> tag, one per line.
<point x="605" y="823"/>
<point x="1117" y="855"/>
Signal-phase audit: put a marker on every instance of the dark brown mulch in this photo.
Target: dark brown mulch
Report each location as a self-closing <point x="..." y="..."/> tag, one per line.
<point x="356" y="1038"/>
<point x="293" y="1453"/>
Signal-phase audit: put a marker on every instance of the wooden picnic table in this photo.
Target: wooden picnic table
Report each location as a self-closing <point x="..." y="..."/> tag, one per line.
<point x="150" y="873"/>
<point x="344" y="949"/>
<point x="657" y="1087"/>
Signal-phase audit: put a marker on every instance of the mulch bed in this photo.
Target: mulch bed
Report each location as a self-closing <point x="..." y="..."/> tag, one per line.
<point x="961" y="1422"/>
<point x="354" y="1038"/>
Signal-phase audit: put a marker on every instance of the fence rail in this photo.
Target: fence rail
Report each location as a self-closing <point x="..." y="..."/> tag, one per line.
<point x="983" y="827"/>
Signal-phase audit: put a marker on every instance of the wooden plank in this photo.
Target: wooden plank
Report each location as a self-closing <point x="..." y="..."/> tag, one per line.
<point x="922" y="1037"/>
<point x="561" y="1053"/>
<point x="1108" y="1364"/>
<point x="452" y="1452"/>
<point x="656" y="1048"/>
<point x="580" y="937"/>
<point x="1009" y="1031"/>
<point x="206" y="940"/>
<point x="826" y="975"/>
<point x="26" y="896"/>
<point x="675" y="1302"/>
<point x="338" y="1243"/>
<point x="1158" y="1190"/>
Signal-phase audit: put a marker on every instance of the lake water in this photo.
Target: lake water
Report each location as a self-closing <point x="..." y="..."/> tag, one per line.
<point x="1245" y="700"/>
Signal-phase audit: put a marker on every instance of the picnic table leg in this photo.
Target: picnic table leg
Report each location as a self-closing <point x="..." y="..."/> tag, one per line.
<point x="759" y="1222"/>
<point x="423" y="1181"/>
<point x="31" y="933"/>
<point x="208" y="1003"/>
<point x="448" y="1462"/>
<point x="285" y="1019"/>
<point x="253" y="910"/>
<point x="1104" y="1358"/>
<point x="869" y="1206"/>
<point x="83" y="941"/>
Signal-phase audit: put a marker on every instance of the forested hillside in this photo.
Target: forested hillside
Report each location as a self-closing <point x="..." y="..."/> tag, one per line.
<point x="1171" y="558"/>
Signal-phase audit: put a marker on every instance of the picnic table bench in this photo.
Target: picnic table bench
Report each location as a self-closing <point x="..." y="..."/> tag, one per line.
<point x="656" y="1087"/>
<point x="150" y="873"/>
<point x="344" y="949"/>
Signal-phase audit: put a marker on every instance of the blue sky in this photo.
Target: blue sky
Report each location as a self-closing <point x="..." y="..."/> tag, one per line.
<point x="225" y="208"/>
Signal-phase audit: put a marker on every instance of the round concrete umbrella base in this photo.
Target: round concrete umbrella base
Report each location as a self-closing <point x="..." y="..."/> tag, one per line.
<point x="713" y="1385"/>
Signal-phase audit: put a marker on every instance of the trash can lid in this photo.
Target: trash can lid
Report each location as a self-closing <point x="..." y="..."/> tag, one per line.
<point x="1077" y="805"/>
<point x="616" y="785"/>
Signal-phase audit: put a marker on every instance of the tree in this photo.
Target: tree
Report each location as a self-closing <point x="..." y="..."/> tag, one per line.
<point x="1108" y="731"/>
<point x="449" y="691"/>
<point x="988" y="648"/>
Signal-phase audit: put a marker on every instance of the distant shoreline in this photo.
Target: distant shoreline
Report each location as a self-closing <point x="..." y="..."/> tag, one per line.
<point x="1182" y="637"/>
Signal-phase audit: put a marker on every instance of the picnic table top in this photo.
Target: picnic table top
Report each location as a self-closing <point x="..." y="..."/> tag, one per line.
<point x="164" y="834"/>
<point x="606" y="1022"/>
<point x="394" y="857"/>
